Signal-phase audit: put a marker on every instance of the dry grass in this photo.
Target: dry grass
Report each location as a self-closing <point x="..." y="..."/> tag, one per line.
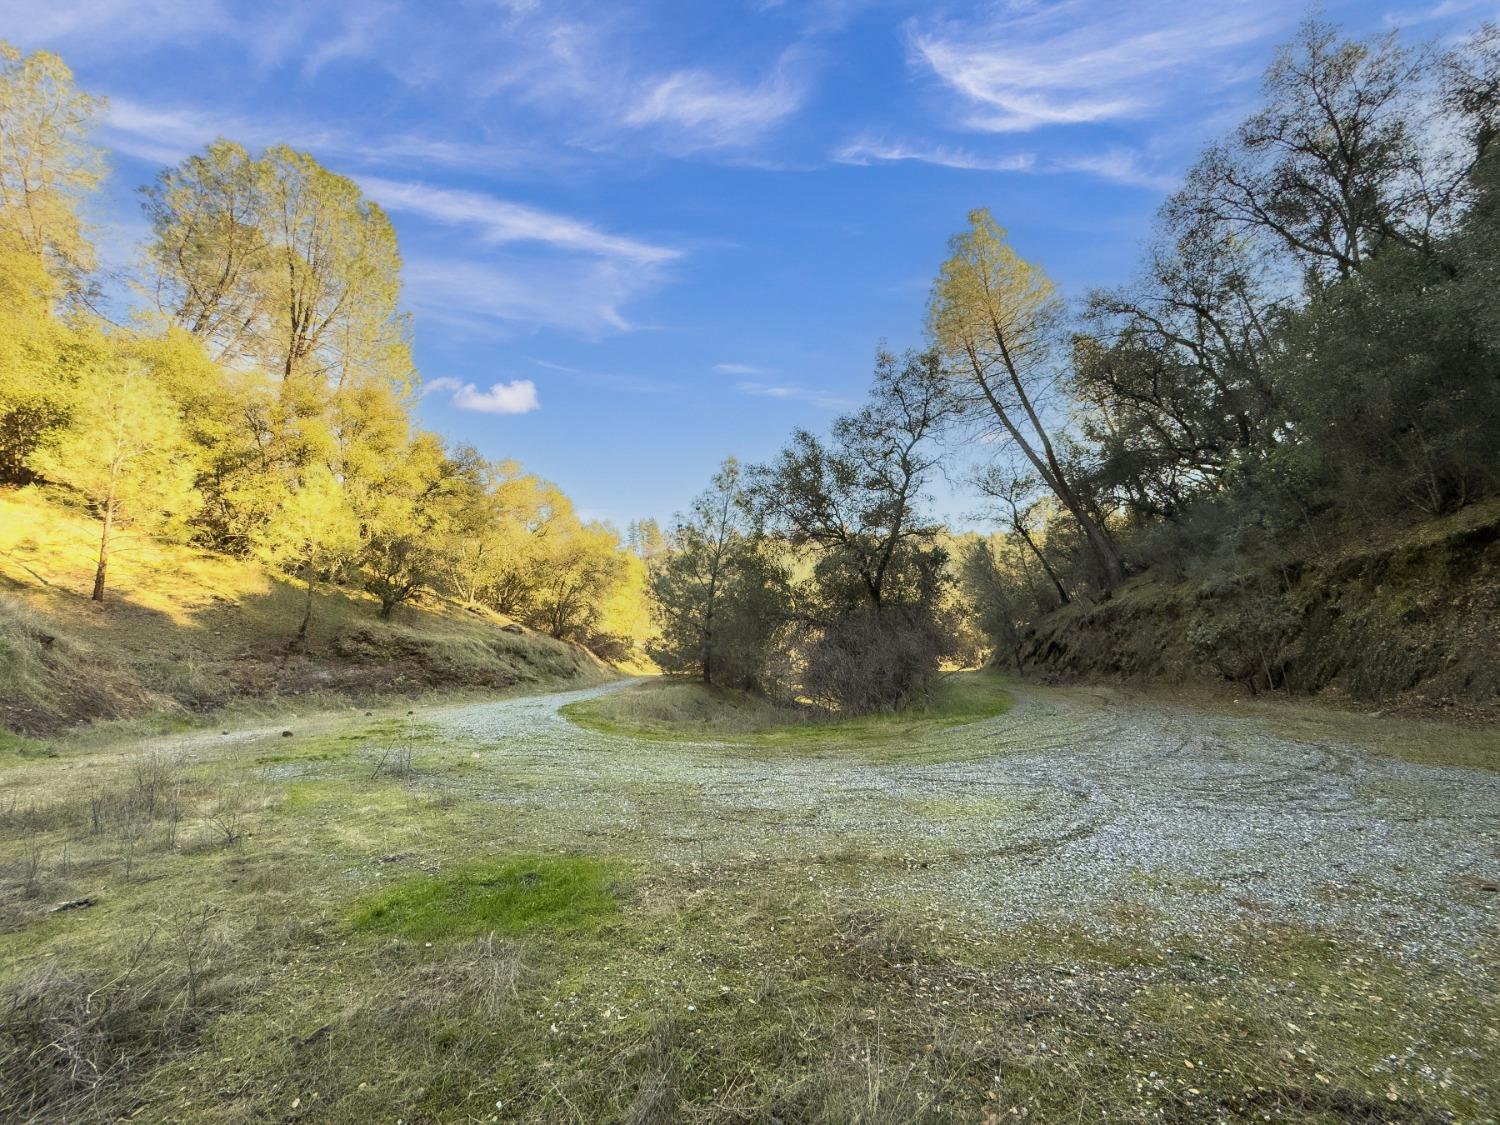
<point x="675" y="710"/>
<point x="191" y="631"/>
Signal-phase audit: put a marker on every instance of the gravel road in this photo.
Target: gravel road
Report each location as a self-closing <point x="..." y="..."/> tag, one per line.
<point x="1073" y="807"/>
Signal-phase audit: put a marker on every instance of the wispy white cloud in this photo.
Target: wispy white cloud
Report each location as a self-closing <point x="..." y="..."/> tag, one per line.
<point x="501" y="221"/>
<point x="871" y="151"/>
<point x="1116" y="165"/>
<point x="545" y="269"/>
<point x="795" y="393"/>
<point x="1083" y="61"/>
<point x="707" y="110"/>
<point x="736" y="369"/>
<point x="1446" y="9"/>
<point x="635" y="384"/>
<point x="515" y="397"/>
<point x="166" y="134"/>
<point x="596" y="77"/>
<point x="511" y="295"/>
<point x="88" y="27"/>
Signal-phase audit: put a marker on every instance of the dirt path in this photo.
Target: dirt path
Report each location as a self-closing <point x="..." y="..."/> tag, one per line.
<point x="1072" y="807"/>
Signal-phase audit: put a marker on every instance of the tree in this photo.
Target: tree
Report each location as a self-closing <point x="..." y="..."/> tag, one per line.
<point x="1339" y="162"/>
<point x="532" y="515"/>
<point x="645" y="538"/>
<point x="1394" y="390"/>
<point x="994" y="316"/>
<point x="857" y="498"/>
<point x="998" y="599"/>
<point x="281" y="262"/>
<point x="313" y="534"/>
<point x="1471" y="87"/>
<point x="211" y="246"/>
<point x="404" y="521"/>
<point x="1014" y="495"/>
<point x="46" y="163"/>
<point x="331" y="298"/>
<point x="867" y="624"/>
<point x="124" y="453"/>
<point x="35" y="380"/>
<point x="718" y="593"/>
<point x="579" y="569"/>
<point x="1177" y="370"/>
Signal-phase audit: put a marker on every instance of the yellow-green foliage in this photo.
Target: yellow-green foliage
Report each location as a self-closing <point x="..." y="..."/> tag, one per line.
<point x="189" y="630"/>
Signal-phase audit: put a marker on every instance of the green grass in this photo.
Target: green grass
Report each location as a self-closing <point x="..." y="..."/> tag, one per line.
<point x="575" y="974"/>
<point x="510" y="897"/>
<point x="672" y="710"/>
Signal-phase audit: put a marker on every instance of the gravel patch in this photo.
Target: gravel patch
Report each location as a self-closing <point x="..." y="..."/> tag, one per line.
<point x="1066" y="809"/>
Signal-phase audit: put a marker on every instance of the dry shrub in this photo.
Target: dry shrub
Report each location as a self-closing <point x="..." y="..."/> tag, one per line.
<point x="875" y="661"/>
<point x="70" y="1039"/>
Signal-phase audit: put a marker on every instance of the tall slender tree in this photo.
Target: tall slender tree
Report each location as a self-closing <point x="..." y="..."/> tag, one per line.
<point x="994" y="317"/>
<point x="47" y="164"/>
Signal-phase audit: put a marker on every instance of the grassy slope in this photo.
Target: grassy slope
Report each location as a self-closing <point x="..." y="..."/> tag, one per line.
<point x="281" y="932"/>
<point x="682" y="710"/>
<point x="1409" y="619"/>
<point x="186" y="630"/>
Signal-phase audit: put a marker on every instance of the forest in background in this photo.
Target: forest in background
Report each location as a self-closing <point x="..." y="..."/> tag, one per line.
<point x="1311" y="349"/>
<point x="259" y="401"/>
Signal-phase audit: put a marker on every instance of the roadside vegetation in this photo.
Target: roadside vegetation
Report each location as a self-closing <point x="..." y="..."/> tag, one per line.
<point x="251" y="415"/>
<point x="673" y="709"/>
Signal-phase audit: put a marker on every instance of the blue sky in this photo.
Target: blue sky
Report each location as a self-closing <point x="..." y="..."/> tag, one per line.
<point x="639" y="237"/>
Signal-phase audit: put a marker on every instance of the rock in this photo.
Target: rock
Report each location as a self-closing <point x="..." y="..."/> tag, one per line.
<point x="511" y="629"/>
<point x="74" y="904"/>
<point x="286" y="734"/>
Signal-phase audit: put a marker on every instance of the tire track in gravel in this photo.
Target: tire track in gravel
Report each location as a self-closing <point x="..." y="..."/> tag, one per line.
<point x="1068" y="806"/>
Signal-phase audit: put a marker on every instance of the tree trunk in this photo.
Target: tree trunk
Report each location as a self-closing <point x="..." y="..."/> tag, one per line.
<point x="99" y="571"/>
<point x="306" y="611"/>
<point x="1106" y="555"/>
<point x="1062" y="592"/>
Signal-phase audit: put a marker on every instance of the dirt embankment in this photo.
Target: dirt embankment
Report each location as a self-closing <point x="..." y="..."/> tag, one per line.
<point x="1411" y="620"/>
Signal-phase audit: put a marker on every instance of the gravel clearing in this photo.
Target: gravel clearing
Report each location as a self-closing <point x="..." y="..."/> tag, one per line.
<point x="1073" y="808"/>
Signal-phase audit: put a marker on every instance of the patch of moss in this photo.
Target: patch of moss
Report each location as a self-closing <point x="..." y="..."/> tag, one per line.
<point x="557" y="894"/>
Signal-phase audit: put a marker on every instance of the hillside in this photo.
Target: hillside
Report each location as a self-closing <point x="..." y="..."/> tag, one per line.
<point x="1410" y="619"/>
<point x="186" y="630"/>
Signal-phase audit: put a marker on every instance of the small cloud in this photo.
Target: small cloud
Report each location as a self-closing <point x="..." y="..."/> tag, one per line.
<point x="869" y="151"/>
<point x="706" y="111"/>
<point x="1120" y="166"/>
<point x="736" y="369"/>
<point x="796" y="394"/>
<point x="501" y="221"/>
<point x="516" y="397"/>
